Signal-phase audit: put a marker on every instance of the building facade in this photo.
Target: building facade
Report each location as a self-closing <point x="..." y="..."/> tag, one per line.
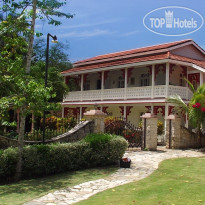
<point x="132" y="82"/>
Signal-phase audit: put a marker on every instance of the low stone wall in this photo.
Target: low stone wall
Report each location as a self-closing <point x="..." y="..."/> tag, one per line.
<point x="75" y="134"/>
<point x="189" y="139"/>
<point x="7" y="142"/>
<point x="184" y="138"/>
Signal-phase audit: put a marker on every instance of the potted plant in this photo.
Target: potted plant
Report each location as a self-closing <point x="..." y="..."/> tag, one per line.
<point x="125" y="162"/>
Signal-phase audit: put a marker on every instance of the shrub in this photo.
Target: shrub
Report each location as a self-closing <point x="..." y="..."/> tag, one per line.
<point x="8" y="162"/>
<point x="106" y="148"/>
<point x="44" y="159"/>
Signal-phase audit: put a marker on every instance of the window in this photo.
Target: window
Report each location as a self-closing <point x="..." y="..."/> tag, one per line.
<point x="144" y="81"/>
<point x="98" y="84"/>
<point x="132" y="81"/>
<point x="87" y="85"/>
<point x="121" y="82"/>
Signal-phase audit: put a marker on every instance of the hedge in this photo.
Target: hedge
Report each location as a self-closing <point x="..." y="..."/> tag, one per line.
<point x="45" y="159"/>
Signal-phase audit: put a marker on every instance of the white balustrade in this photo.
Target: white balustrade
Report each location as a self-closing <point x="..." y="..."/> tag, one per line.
<point x="113" y="94"/>
<point x="190" y="94"/>
<point x="177" y="90"/>
<point x="91" y="95"/>
<point x="131" y="93"/>
<point x="73" y="96"/>
<point x="139" y="92"/>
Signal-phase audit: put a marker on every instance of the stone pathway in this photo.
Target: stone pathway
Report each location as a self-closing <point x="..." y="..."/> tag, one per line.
<point x="143" y="164"/>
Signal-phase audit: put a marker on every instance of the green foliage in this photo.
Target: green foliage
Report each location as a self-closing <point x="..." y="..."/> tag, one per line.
<point x="41" y="160"/>
<point x="196" y="114"/>
<point x="106" y="148"/>
<point x="97" y="141"/>
<point x="160" y="127"/>
<point x="47" y="10"/>
<point x="8" y="161"/>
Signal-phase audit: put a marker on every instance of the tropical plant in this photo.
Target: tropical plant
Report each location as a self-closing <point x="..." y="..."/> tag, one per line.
<point x="195" y="109"/>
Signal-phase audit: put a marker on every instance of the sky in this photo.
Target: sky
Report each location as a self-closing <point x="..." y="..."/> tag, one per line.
<point x="107" y="26"/>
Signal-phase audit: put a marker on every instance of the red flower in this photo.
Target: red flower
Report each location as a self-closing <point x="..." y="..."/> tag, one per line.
<point x="203" y="109"/>
<point x="198" y="104"/>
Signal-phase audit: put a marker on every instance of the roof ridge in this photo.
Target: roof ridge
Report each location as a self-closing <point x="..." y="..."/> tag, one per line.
<point x="108" y="55"/>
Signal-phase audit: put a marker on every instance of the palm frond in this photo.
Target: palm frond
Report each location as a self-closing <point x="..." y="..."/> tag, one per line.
<point x="190" y="84"/>
<point x="176" y="99"/>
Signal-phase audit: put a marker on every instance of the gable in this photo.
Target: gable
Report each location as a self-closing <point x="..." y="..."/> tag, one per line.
<point x="189" y="51"/>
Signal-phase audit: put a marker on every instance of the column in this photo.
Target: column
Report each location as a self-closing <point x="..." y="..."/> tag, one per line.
<point x="125" y="112"/>
<point x="149" y="124"/>
<point x="201" y="78"/>
<point x="125" y="95"/>
<point x="165" y="116"/>
<point x="81" y="86"/>
<point x="152" y="108"/>
<point x="167" y="79"/>
<point x="81" y="113"/>
<point x="187" y="85"/>
<point x="153" y="74"/>
<point x="102" y="83"/>
<point x="63" y="112"/>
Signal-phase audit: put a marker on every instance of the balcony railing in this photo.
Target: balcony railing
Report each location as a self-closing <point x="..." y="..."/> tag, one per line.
<point x="129" y="93"/>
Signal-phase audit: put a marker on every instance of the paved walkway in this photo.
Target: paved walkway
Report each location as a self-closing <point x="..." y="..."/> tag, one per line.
<point x="143" y="164"/>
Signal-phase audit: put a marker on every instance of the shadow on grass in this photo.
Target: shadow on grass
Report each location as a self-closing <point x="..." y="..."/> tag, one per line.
<point x="26" y="190"/>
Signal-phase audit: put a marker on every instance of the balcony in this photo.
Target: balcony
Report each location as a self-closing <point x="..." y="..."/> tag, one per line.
<point x="134" y="93"/>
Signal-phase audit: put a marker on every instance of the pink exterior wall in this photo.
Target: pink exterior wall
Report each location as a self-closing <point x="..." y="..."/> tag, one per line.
<point x="189" y="51"/>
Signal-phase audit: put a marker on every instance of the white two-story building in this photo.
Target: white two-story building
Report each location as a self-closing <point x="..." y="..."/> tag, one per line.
<point x="129" y="83"/>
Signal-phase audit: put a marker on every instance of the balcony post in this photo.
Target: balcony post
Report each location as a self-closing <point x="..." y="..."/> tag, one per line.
<point x="81" y="86"/>
<point x="166" y="115"/>
<point x="102" y="84"/>
<point x="167" y="79"/>
<point x="125" y="96"/>
<point x="80" y="113"/>
<point x="153" y="74"/>
<point x="63" y="112"/>
<point x="201" y="78"/>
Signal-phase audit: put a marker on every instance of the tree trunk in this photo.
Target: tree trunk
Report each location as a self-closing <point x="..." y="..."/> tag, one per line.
<point x="32" y="122"/>
<point x="20" y="144"/>
<point x="30" y="46"/>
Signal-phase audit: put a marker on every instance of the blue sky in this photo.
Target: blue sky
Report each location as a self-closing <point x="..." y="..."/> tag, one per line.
<point x="107" y="26"/>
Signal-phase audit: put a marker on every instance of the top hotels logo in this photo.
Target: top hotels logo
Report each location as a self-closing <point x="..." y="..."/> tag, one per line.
<point x="173" y="21"/>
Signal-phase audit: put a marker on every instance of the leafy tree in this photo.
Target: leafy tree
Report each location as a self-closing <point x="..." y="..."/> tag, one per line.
<point x="22" y="91"/>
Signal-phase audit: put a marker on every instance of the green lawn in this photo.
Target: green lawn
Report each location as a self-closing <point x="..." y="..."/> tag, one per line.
<point x="176" y="182"/>
<point x="26" y="190"/>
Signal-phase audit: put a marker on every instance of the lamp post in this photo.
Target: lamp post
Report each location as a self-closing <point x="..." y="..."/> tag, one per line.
<point x="46" y="78"/>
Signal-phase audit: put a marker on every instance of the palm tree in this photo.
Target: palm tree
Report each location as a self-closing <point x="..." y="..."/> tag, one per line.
<point x="195" y="109"/>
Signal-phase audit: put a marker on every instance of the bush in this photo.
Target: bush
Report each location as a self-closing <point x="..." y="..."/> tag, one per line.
<point x="106" y="148"/>
<point x="8" y="162"/>
<point x="44" y="159"/>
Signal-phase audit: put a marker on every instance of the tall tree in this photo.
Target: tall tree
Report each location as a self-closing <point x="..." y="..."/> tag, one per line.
<point x="25" y="94"/>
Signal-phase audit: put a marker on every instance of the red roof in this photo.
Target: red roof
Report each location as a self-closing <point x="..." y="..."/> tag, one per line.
<point x="188" y="60"/>
<point x="133" y="56"/>
<point x="133" y="51"/>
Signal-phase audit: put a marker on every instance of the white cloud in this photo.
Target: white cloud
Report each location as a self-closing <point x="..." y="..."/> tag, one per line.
<point x="129" y="33"/>
<point x="91" y="24"/>
<point x="84" y="34"/>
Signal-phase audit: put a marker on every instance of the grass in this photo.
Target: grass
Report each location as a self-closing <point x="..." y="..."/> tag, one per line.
<point x="26" y="190"/>
<point x="176" y="182"/>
